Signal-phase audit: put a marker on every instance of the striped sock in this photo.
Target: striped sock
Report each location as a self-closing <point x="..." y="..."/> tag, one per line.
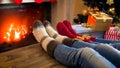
<point x="53" y="33"/>
<point x="48" y="44"/>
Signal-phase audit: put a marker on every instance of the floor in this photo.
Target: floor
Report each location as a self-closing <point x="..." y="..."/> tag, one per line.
<point x="32" y="56"/>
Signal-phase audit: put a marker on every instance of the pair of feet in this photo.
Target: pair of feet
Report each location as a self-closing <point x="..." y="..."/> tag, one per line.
<point x="65" y="28"/>
<point x="43" y="30"/>
<point x="47" y="36"/>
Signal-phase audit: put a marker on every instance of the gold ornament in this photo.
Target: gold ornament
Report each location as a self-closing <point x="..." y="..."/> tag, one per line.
<point x="84" y="12"/>
<point x="110" y="2"/>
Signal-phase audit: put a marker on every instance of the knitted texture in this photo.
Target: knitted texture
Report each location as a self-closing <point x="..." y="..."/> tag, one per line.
<point x="63" y="30"/>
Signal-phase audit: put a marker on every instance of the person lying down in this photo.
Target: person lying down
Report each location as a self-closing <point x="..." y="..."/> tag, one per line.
<point x="75" y="53"/>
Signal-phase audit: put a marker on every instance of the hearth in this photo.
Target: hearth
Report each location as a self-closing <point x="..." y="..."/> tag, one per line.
<point x="16" y="22"/>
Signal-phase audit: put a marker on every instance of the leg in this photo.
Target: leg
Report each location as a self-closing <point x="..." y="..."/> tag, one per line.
<point x="73" y="57"/>
<point x="105" y="41"/>
<point x="80" y="58"/>
<point x="116" y="45"/>
<point x="107" y="51"/>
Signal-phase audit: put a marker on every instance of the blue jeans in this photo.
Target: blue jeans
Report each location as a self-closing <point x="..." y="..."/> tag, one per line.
<point x="80" y="58"/>
<point x="109" y="52"/>
<point x="100" y="40"/>
<point x="87" y="55"/>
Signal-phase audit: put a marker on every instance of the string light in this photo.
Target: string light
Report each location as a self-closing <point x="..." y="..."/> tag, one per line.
<point x="38" y="1"/>
<point x="18" y="1"/>
<point x="52" y="1"/>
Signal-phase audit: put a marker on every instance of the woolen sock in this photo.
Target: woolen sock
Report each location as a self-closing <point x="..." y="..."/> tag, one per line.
<point x="50" y="30"/>
<point x="68" y="25"/>
<point x="63" y="30"/>
<point x="63" y="39"/>
<point x="39" y="31"/>
<point x="53" y="33"/>
<point x="42" y="36"/>
<point x="49" y="44"/>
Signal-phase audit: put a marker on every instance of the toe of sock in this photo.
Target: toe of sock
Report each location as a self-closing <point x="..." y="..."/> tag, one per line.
<point x="46" y="23"/>
<point x="37" y="24"/>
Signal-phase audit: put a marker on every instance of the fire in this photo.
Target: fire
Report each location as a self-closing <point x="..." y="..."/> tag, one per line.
<point x="15" y="33"/>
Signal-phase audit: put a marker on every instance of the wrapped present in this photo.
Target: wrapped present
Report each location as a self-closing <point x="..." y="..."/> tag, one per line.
<point x="99" y="21"/>
<point x="112" y="34"/>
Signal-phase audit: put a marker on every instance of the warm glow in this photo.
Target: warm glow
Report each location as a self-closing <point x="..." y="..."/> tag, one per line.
<point x="15" y="33"/>
<point x="16" y="22"/>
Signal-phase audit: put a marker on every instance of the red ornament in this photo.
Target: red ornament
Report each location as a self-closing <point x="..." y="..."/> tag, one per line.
<point x="52" y="1"/>
<point x="18" y="1"/>
<point x="38" y="1"/>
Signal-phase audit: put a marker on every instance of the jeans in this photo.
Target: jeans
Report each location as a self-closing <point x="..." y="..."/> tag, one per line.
<point x="87" y="55"/>
<point x="109" y="52"/>
<point x="100" y="40"/>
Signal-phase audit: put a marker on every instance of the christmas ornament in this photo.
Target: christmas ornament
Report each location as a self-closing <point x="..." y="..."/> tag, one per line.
<point x="84" y="12"/>
<point x="110" y="2"/>
<point x="112" y="10"/>
<point x="18" y="1"/>
<point x="38" y="1"/>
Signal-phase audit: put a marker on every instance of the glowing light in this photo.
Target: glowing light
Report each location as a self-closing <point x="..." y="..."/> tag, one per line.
<point x="38" y="1"/>
<point x="15" y="33"/>
<point x="52" y="1"/>
<point x="18" y="1"/>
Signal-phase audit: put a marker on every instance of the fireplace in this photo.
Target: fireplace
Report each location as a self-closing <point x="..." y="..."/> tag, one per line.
<point x="16" y="22"/>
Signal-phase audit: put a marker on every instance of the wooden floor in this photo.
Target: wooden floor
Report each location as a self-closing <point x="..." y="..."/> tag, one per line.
<point x="31" y="56"/>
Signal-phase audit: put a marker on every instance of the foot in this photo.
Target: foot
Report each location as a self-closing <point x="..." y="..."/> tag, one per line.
<point x="40" y="34"/>
<point x="50" y="30"/>
<point x="39" y="31"/>
<point x="54" y="34"/>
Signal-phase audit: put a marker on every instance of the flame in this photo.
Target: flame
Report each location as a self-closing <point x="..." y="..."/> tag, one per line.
<point x="15" y="33"/>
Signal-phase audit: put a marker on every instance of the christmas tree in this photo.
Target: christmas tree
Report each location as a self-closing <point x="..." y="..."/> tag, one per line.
<point x="110" y="7"/>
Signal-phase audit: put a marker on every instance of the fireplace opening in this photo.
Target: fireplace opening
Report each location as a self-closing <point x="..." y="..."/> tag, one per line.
<point x="16" y="22"/>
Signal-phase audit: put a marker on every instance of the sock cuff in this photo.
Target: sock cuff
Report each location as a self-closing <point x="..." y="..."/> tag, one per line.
<point x="68" y="41"/>
<point x="51" y="47"/>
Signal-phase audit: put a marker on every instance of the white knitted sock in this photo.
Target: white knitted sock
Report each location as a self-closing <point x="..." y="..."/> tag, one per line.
<point x="46" y="42"/>
<point x="41" y="35"/>
<point x="53" y="33"/>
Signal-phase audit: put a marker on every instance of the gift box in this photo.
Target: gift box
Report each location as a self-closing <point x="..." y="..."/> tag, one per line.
<point x="111" y="34"/>
<point x="99" y="21"/>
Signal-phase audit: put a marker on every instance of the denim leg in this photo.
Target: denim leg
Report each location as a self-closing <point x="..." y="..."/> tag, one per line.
<point x="80" y="58"/>
<point x="112" y="54"/>
<point x="81" y="44"/>
<point x="109" y="52"/>
<point x="116" y="45"/>
<point x="100" y="40"/>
